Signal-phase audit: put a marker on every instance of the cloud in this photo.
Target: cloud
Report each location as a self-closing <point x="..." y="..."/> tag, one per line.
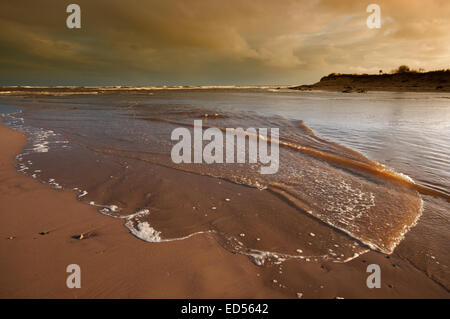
<point x="216" y="42"/>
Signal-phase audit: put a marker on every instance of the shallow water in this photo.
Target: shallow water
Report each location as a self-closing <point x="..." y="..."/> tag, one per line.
<point x="332" y="198"/>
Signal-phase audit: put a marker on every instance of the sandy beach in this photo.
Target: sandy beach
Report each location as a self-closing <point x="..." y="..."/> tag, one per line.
<point x="114" y="264"/>
<point x="38" y="225"/>
<point x="256" y="151"/>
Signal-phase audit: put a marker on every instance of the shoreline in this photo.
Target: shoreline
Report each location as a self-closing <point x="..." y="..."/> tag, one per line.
<point x="341" y="88"/>
<point x="362" y="90"/>
<point x="115" y="264"/>
<point x="410" y="81"/>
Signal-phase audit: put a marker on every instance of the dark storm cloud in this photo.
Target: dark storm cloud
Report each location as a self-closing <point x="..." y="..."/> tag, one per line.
<point x="215" y="42"/>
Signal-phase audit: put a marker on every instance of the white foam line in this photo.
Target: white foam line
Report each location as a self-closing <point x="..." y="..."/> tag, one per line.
<point x="84" y="193"/>
<point x="145" y="232"/>
<point x="105" y="208"/>
<point x="141" y="230"/>
<point x="260" y="256"/>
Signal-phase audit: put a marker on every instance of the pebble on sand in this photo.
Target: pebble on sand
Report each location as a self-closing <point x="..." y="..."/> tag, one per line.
<point x="80" y="237"/>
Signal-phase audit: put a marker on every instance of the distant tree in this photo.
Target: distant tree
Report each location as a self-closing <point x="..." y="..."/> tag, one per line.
<point x="403" y="69"/>
<point x="380" y="72"/>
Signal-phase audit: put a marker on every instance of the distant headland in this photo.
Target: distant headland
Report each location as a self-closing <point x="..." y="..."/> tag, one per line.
<point x="402" y="79"/>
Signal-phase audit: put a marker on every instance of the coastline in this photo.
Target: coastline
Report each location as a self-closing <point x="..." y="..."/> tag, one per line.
<point x="364" y="89"/>
<point x="114" y="264"/>
<point x="411" y="81"/>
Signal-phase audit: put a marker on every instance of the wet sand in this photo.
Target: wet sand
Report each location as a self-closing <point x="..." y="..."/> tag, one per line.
<point x="115" y="264"/>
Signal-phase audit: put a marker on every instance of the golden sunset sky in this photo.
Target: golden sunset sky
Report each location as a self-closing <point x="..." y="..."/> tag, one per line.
<point x="210" y="42"/>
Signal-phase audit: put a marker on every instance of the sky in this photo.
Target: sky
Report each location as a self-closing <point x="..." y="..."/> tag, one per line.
<point x="212" y="42"/>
